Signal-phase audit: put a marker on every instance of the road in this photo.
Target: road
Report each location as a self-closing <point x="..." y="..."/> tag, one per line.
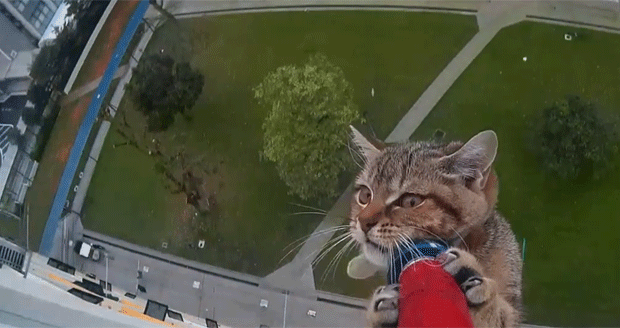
<point x="231" y="302"/>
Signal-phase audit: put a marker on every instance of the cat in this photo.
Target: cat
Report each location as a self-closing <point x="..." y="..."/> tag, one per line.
<point x="445" y="191"/>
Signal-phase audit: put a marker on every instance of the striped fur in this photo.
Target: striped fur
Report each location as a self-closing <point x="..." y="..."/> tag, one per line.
<point x="457" y="189"/>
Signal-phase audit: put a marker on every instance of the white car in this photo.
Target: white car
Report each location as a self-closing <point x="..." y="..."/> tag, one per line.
<point x="88" y="250"/>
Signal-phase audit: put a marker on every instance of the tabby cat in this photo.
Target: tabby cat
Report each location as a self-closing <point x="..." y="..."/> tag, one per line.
<point x="426" y="190"/>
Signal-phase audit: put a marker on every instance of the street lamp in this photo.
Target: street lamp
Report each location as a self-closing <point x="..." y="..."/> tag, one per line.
<point x="138" y="277"/>
<point x="107" y="282"/>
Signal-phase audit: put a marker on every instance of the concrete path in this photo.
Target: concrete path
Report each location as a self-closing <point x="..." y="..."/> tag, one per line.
<point x="90" y="86"/>
<point x="491" y="18"/>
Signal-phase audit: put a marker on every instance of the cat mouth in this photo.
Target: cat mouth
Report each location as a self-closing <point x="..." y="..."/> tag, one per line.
<point x="376" y="246"/>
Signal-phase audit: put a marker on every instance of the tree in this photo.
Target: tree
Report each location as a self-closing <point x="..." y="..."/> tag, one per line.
<point x="572" y="138"/>
<point x="46" y="64"/>
<point x="39" y="97"/>
<point x="53" y="58"/>
<point x="307" y="128"/>
<point x="162" y="88"/>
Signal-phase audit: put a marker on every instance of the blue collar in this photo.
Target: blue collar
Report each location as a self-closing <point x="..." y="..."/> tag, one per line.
<point x="419" y="249"/>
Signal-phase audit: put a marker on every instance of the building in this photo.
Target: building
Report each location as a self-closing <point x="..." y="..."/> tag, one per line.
<point x="16" y="139"/>
<point x="30" y="16"/>
<point x="37" y="291"/>
<point x="25" y="24"/>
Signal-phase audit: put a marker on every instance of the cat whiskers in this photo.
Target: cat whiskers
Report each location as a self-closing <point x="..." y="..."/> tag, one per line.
<point x="301" y="241"/>
<point x="409" y="242"/>
<point x="325" y="249"/>
<point x="353" y="157"/>
<point x="461" y="238"/>
<point x="430" y="233"/>
<point x="309" y="207"/>
<point x="333" y="264"/>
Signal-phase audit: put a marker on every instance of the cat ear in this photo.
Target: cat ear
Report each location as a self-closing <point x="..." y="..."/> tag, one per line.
<point x="369" y="150"/>
<point x="472" y="162"/>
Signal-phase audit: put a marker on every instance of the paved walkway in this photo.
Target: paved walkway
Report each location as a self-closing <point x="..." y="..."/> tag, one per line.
<point x="90" y="86"/>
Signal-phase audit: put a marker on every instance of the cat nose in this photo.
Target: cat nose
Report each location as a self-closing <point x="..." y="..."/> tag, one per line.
<point x="367" y="223"/>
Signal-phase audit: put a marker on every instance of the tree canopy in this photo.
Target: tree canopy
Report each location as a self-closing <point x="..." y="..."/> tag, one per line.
<point x="307" y="128"/>
<point x="162" y="88"/>
<point x="572" y="138"/>
<point x="57" y="58"/>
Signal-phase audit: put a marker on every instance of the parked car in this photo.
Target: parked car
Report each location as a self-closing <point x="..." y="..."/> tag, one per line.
<point x="88" y="250"/>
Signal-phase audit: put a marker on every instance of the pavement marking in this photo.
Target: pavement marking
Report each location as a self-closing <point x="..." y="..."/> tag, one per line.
<point x="139" y="315"/>
<point x="196" y="284"/>
<point x="60" y="279"/>
<point x="145" y="269"/>
<point x="131" y="304"/>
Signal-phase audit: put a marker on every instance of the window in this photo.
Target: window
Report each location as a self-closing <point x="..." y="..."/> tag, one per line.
<point x="20" y="4"/>
<point x="175" y="315"/>
<point x="39" y="15"/>
<point x="112" y="297"/>
<point x="85" y="296"/>
<point x="61" y="266"/>
<point x="156" y="310"/>
<point x="90" y="286"/>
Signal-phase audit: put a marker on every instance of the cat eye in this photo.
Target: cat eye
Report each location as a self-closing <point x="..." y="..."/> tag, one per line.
<point x="364" y="195"/>
<point x="409" y="201"/>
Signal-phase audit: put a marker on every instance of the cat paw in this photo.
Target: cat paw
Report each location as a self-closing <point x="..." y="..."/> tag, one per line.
<point x="467" y="272"/>
<point x="383" y="308"/>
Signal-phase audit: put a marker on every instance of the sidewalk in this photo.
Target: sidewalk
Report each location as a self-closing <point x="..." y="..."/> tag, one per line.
<point x="92" y="85"/>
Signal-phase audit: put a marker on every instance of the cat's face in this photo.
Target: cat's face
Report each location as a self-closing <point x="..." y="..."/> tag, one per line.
<point x="421" y="190"/>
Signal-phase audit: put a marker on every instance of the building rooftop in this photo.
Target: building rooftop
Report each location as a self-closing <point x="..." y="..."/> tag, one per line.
<point x="19" y="65"/>
<point x="53" y="294"/>
<point x="12" y="39"/>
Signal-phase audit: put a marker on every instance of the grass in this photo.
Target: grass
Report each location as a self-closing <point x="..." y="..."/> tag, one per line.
<point x="573" y="246"/>
<point x="9" y="229"/>
<point x="394" y="53"/>
<point x="41" y="194"/>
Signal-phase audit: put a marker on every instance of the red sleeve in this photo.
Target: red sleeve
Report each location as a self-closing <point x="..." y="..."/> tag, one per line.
<point x="429" y="297"/>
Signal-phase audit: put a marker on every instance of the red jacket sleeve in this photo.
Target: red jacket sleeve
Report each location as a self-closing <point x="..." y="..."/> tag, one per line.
<point x="429" y="297"/>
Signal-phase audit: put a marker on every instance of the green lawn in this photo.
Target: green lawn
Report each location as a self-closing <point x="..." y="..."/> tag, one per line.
<point x="571" y="272"/>
<point x="395" y="53"/>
